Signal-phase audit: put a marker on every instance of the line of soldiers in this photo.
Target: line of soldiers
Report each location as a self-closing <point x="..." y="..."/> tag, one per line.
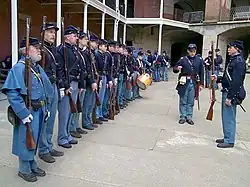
<point x="97" y="76"/>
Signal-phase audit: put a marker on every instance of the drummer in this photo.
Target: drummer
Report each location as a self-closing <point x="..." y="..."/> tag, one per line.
<point x="138" y="70"/>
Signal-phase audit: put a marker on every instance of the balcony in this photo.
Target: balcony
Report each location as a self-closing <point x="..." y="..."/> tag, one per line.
<point x="241" y="13"/>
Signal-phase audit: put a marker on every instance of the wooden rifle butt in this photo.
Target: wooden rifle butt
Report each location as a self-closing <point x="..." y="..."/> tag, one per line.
<point x="79" y="104"/>
<point x="72" y="105"/>
<point x="98" y="102"/>
<point x="30" y="142"/>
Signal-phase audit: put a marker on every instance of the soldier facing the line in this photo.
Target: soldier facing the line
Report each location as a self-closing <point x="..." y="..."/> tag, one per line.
<point x="191" y="67"/>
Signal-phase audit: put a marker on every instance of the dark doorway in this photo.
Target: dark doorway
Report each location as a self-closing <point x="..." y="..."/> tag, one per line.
<point x="177" y="51"/>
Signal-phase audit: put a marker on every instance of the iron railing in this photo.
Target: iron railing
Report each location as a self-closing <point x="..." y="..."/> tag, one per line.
<point x="235" y="14"/>
<point x="193" y="17"/>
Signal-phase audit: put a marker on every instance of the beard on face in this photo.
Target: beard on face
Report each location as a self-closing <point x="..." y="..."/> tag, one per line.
<point x="36" y="58"/>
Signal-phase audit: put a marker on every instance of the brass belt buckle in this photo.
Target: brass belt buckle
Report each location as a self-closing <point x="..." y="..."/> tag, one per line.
<point x="42" y="103"/>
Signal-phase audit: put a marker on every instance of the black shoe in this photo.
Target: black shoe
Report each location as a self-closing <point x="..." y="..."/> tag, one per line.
<point x="139" y="97"/>
<point x="67" y="146"/>
<point x="182" y="121"/>
<point x="31" y="177"/>
<point x="47" y="158"/>
<point x="75" y="134"/>
<point x="190" y="122"/>
<point x="121" y="107"/>
<point x="89" y="127"/>
<point x="105" y="116"/>
<point x="39" y="172"/>
<point x="219" y="141"/>
<point x="103" y="119"/>
<point x="73" y="142"/>
<point x="95" y="126"/>
<point x="225" y="145"/>
<point x="56" y="153"/>
<point x="98" y="122"/>
<point x="81" y="131"/>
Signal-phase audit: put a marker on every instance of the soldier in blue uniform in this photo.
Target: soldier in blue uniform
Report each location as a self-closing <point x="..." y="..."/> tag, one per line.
<point x="91" y="84"/>
<point x="217" y="65"/>
<point x="110" y="77"/>
<point x="233" y="92"/>
<point x="16" y="91"/>
<point x="75" y="129"/>
<point x="191" y="68"/>
<point x="101" y="65"/>
<point x="164" y="66"/>
<point x="45" y="149"/>
<point x="68" y="77"/>
<point x="207" y="63"/>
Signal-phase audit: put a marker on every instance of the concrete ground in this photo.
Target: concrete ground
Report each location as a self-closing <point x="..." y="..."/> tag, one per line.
<point x="145" y="146"/>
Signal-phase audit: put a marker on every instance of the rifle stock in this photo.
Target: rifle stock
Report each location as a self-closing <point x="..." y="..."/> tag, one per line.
<point x="30" y="142"/>
<point x="212" y="90"/>
<point x="111" y="105"/>
<point x="78" y="103"/>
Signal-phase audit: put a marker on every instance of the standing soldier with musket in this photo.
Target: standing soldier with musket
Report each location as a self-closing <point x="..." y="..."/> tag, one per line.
<point x="191" y="67"/>
<point x="110" y="67"/>
<point x="101" y="66"/>
<point x="233" y="92"/>
<point x="68" y="78"/>
<point x="122" y="73"/>
<point x="75" y="129"/>
<point x="91" y="84"/>
<point x="129" y="71"/>
<point x="45" y="148"/>
<point x="28" y="89"/>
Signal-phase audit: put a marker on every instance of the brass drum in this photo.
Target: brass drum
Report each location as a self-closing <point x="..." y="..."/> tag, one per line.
<point x="144" y="81"/>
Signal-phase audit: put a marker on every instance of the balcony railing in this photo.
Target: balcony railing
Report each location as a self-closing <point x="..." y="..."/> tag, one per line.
<point x="193" y="17"/>
<point x="235" y="14"/>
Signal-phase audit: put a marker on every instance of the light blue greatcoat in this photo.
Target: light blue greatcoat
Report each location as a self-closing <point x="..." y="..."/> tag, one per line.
<point x="15" y="89"/>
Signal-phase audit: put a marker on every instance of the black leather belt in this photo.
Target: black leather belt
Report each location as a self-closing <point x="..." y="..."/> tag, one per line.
<point x="52" y="79"/>
<point x="36" y="105"/>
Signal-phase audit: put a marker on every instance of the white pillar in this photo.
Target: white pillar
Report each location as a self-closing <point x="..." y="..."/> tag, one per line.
<point x="58" y="21"/>
<point x="125" y="9"/>
<point x="116" y="29"/>
<point x="14" y="32"/>
<point x="85" y="19"/>
<point x="124" y="33"/>
<point x="161" y="8"/>
<point x="117" y="5"/>
<point x="160" y="39"/>
<point x="207" y="40"/>
<point x="103" y="25"/>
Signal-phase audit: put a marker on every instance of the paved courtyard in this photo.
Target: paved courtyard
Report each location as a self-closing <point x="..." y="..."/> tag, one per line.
<point x="145" y="147"/>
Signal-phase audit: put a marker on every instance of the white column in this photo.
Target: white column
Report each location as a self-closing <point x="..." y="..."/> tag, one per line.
<point x="103" y="25"/>
<point x="207" y="40"/>
<point x="117" y="5"/>
<point x="125" y="9"/>
<point x="124" y="33"/>
<point x="85" y="19"/>
<point x="58" y="21"/>
<point x="160" y="39"/>
<point x="14" y="32"/>
<point x="116" y="29"/>
<point x="161" y="8"/>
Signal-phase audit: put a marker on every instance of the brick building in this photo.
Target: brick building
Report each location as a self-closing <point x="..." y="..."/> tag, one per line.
<point x="149" y="24"/>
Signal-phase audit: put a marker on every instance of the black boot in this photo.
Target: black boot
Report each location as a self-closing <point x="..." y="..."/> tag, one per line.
<point x="56" y="153"/>
<point x="81" y="131"/>
<point x="182" y="121"/>
<point x="39" y="172"/>
<point x="219" y="141"/>
<point x="190" y="122"/>
<point x="31" y="177"/>
<point x="47" y="158"/>
<point x="225" y="145"/>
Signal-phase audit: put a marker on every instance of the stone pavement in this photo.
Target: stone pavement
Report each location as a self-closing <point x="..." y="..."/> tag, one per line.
<point x="145" y="147"/>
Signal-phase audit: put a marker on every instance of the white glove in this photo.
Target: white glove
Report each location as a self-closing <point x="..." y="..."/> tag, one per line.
<point x="94" y="86"/>
<point x="115" y="81"/>
<point x="128" y="72"/>
<point x="100" y="84"/>
<point x="110" y="84"/>
<point x="149" y="64"/>
<point x="62" y="93"/>
<point x="28" y="119"/>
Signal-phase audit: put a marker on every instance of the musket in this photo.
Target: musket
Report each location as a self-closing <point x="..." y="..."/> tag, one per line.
<point x="78" y="102"/>
<point x="117" y="107"/>
<point x="30" y="142"/>
<point x="73" y="108"/>
<point x="198" y="83"/>
<point x="212" y="90"/>
<point x="42" y="45"/>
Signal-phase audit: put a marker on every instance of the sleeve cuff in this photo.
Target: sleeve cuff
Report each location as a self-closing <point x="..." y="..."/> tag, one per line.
<point x="23" y="113"/>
